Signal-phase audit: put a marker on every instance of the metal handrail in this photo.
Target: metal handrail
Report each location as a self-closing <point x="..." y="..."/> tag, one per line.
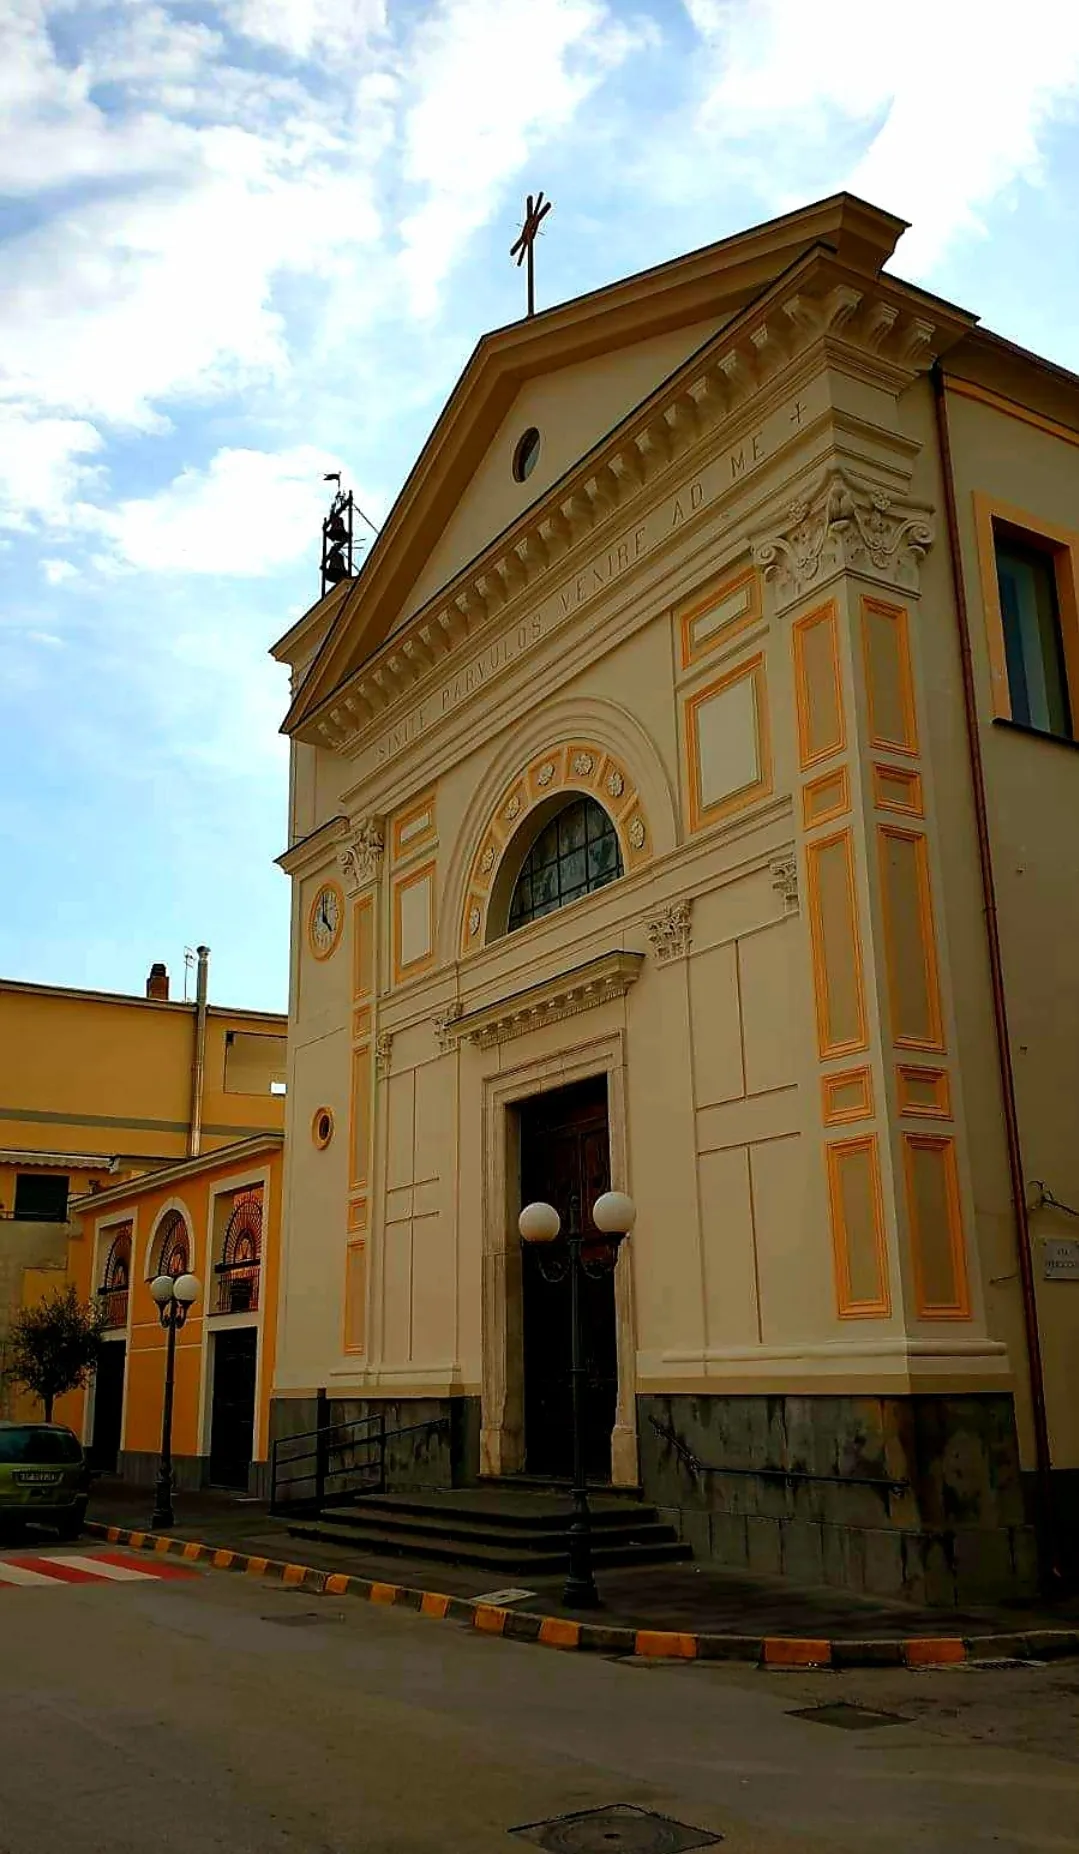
<point x="323" y="1448"/>
<point x="893" y="1484"/>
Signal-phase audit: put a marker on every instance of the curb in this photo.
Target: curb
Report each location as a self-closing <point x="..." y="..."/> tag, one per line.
<point x="778" y="1651"/>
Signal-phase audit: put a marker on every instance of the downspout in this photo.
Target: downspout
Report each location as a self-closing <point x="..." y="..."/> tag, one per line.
<point x="1046" y="1529"/>
<point x="198" y="1060"/>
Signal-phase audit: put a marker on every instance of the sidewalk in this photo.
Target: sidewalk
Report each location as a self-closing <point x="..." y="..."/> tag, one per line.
<point x="700" y="1599"/>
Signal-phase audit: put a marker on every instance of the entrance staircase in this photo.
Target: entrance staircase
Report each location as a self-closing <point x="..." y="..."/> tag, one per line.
<point x="513" y="1526"/>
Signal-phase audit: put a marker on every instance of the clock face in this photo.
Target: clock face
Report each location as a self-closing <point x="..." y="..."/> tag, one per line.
<point x="324" y="921"/>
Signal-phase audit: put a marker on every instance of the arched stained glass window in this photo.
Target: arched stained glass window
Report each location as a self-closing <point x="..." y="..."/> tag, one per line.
<point x="576" y="851"/>
<point x="173" y="1247"/>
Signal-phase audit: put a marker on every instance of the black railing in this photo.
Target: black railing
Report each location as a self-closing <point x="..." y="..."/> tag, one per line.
<point x="339" y="1461"/>
<point x="114" y="1305"/>
<point x="884" y="1483"/>
<point x="237" y="1287"/>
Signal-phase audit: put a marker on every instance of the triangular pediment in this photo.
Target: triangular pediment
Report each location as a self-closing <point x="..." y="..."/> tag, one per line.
<point x="611" y="349"/>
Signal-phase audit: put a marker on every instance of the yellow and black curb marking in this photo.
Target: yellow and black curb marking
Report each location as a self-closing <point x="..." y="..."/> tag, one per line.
<point x="658" y="1644"/>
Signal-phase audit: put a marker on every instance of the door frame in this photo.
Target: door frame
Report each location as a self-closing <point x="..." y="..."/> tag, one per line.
<point x="502" y="1438"/>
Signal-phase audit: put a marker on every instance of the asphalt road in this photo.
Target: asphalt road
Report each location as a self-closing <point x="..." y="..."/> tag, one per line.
<point x="216" y="1712"/>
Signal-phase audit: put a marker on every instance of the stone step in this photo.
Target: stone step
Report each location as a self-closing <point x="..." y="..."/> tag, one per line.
<point x="363" y="1520"/>
<point x="510" y="1553"/>
<point x="509" y="1511"/>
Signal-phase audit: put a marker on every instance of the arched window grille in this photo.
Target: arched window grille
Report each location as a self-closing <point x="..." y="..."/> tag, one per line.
<point x="576" y="852"/>
<point x="241" y="1254"/>
<point x="173" y="1246"/>
<point x="117" y="1278"/>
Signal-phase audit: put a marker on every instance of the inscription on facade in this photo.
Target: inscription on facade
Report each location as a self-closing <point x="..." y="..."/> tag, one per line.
<point x="626" y="551"/>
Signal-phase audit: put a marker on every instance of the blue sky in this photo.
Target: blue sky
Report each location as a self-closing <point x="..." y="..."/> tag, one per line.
<point x="248" y="241"/>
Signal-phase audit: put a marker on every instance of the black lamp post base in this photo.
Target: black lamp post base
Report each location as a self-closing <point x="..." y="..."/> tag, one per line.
<point x="580" y="1593"/>
<point x="163" y="1514"/>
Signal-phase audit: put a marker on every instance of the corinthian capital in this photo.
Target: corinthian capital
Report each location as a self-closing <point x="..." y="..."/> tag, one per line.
<point x="845" y="523"/>
<point x="361" y="856"/>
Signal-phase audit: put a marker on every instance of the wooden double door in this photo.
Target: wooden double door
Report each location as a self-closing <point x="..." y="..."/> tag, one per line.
<point x="565" y="1156"/>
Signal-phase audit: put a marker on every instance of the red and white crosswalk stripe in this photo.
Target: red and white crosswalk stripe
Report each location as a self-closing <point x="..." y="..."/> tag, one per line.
<point x="100" y="1567"/>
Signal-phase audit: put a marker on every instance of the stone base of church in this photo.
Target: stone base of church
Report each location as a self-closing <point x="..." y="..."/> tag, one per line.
<point x="917" y="1497"/>
<point x="424" y="1455"/>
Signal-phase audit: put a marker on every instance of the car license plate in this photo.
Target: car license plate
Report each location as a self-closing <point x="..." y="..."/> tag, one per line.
<point x="36" y="1477"/>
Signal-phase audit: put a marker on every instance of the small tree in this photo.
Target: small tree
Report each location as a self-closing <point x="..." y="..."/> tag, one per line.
<point x="53" y="1347"/>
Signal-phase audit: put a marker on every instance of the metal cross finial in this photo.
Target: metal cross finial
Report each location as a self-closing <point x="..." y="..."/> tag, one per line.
<point x="536" y="211"/>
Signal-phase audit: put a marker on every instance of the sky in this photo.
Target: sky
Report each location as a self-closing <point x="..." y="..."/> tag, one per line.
<point x="251" y="241"/>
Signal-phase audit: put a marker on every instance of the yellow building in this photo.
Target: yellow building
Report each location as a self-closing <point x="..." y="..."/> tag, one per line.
<point x="97" y="1087"/>
<point x="682" y="796"/>
<point x="217" y="1217"/>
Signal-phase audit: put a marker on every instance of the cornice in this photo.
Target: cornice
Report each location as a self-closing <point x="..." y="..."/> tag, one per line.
<point x="598" y="981"/>
<point x="312" y="851"/>
<point x="818" y="304"/>
<point x="162" y="1177"/>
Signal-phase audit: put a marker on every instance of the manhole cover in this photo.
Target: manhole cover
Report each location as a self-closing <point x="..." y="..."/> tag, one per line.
<point x="305" y="1619"/>
<point x="621" y="1828"/>
<point x="847" y="1717"/>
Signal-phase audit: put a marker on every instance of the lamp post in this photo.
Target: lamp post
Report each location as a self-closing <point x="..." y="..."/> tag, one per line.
<point x="614" y="1215"/>
<point x="174" y="1297"/>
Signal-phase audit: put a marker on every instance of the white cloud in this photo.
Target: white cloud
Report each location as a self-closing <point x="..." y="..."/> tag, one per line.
<point x="246" y="514"/>
<point x="59" y="572"/>
<point x="326" y="30"/>
<point x="48" y="638"/>
<point x="945" y="107"/>
<point x="42" y="467"/>
<point x="489" y="81"/>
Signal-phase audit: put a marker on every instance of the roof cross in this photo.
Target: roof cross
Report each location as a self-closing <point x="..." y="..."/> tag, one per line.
<point x="536" y="211"/>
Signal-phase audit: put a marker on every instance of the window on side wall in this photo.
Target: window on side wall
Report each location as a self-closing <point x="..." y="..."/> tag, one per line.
<point x="41" y="1196"/>
<point x="1039" y="659"/>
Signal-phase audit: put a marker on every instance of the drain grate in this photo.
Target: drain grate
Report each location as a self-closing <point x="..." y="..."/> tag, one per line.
<point x="847" y="1716"/>
<point x="305" y="1619"/>
<point x="621" y="1828"/>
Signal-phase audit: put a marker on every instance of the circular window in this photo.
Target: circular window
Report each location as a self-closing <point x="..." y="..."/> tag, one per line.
<point x="322" y="1127"/>
<point x="526" y="456"/>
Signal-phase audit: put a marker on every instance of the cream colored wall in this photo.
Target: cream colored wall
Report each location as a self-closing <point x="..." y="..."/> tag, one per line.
<point x="733" y="1262"/>
<point x="1033" y="797"/>
<point x="572" y="409"/>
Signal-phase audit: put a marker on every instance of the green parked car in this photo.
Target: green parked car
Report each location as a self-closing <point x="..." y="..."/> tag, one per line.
<point x="44" y="1479"/>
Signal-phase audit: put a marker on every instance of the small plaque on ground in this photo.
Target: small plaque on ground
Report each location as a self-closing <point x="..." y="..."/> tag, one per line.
<point x="501" y="1597"/>
<point x="620" y="1826"/>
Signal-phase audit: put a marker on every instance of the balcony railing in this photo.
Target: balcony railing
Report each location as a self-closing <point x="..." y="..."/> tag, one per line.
<point x="114" y="1304"/>
<point x="237" y="1287"/>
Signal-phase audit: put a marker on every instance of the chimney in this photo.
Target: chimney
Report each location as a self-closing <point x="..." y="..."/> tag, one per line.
<point x="157" y="985"/>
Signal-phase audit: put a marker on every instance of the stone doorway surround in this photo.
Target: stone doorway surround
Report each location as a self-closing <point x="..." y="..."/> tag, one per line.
<point x="502" y="1385"/>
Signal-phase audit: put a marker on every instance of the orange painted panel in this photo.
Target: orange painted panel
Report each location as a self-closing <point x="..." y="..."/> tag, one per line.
<point x="847" y="1095"/>
<point x="826" y="798"/>
<point x="924" y="1091"/>
<point x="836" y="946"/>
<point x="818" y="688"/>
<point x="910" y="938"/>
<point x="857" y="1217"/>
<point x="356" y="1297"/>
<point x="898" y="788"/>
<point x="938" y="1246"/>
<point x="889" y="676"/>
<point x="363" y="947"/>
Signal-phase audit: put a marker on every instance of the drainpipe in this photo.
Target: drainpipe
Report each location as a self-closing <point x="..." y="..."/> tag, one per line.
<point x="1046" y="1529"/>
<point x="198" y="1061"/>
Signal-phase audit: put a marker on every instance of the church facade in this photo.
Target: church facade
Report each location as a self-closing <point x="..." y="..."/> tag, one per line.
<point x="649" y="787"/>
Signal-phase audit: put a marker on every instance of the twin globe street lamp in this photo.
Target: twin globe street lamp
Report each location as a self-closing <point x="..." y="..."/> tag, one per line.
<point x="174" y="1296"/>
<point x="593" y="1254"/>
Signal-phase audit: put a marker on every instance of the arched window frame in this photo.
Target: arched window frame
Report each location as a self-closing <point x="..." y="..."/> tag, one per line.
<point x="553" y="779"/>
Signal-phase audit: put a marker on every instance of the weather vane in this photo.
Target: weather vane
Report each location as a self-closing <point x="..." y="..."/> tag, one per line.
<point x="536" y="211"/>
